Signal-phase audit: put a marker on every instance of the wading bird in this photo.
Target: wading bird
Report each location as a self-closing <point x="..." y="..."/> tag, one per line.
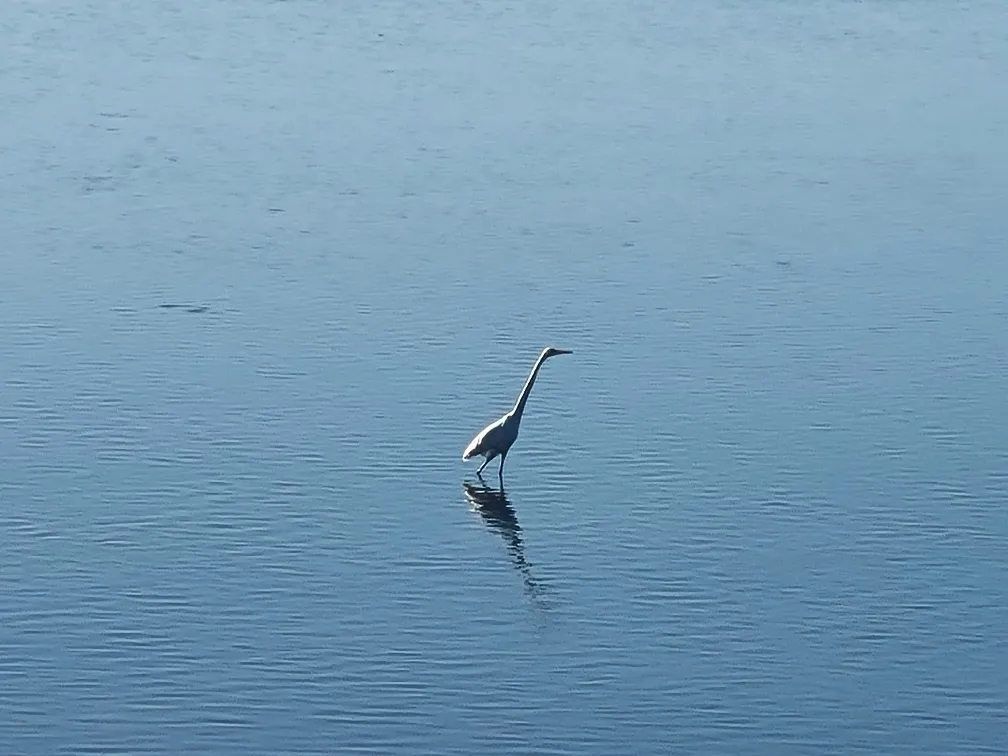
<point x="498" y="437"/>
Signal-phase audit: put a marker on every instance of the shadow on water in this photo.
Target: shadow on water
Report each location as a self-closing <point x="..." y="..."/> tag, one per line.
<point x="497" y="513"/>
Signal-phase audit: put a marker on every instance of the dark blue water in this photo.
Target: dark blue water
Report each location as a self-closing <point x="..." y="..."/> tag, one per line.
<point x="267" y="267"/>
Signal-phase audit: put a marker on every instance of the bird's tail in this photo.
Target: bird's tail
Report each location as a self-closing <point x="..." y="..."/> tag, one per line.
<point x="470" y="451"/>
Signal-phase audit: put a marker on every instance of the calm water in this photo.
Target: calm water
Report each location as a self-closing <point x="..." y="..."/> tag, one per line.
<point x="268" y="266"/>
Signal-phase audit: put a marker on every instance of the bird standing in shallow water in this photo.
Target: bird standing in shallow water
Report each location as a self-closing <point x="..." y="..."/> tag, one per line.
<point x="498" y="437"/>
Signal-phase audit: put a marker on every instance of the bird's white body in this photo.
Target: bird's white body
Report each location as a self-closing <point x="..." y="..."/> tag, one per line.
<point x="498" y="437"/>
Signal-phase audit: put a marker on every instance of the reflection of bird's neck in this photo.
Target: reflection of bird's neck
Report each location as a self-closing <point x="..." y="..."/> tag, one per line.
<point x="519" y="408"/>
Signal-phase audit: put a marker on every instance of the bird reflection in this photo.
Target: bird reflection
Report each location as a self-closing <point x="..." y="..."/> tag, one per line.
<point x="496" y="511"/>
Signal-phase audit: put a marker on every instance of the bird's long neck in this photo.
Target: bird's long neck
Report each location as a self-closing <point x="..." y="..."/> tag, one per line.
<point x="519" y="407"/>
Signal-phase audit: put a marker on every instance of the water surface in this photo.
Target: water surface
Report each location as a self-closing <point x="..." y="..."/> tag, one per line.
<point x="268" y="267"/>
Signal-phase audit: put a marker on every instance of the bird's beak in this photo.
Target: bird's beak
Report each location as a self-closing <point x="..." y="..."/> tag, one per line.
<point x="563" y="351"/>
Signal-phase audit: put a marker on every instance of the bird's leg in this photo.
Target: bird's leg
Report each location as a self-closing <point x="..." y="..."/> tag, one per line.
<point x="500" y="470"/>
<point x="485" y="463"/>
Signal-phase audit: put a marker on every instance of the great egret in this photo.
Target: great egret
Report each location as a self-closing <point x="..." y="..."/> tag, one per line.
<point x="498" y="437"/>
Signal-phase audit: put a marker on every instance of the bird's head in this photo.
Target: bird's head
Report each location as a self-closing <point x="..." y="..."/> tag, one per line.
<point x="553" y="351"/>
